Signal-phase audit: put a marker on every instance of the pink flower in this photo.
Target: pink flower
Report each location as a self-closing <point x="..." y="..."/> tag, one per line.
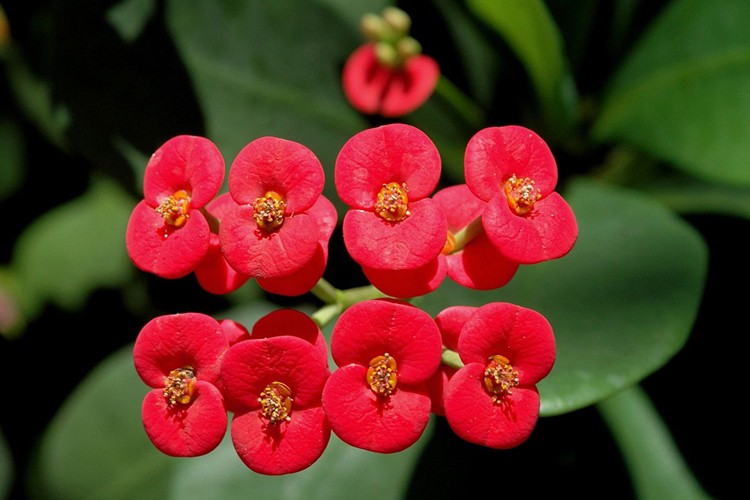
<point x="513" y="170"/>
<point x="269" y="233"/>
<point x="493" y="400"/>
<point x="167" y="233"/>
<point x="468" y="266"/>
<point x="386" y="352"/>
<point x="386" y="175"/>
<point x="274" y="385"/>
<point x="179" y="356"/>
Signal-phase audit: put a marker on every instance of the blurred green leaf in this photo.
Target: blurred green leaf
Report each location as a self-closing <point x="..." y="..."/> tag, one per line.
<point x="12" y="151"/>
<point x="74" y="249"/>
<point x="352" y="11"/>
<point x="130" y="16"/>
<point x="621" y="303"/>
<point x="6" y="467"/>
<point x="530" y="31"/>
<point x="682" y="95"/>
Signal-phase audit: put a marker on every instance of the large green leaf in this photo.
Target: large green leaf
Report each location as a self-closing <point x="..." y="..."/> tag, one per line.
<point x="74" y="249"/>
<point x="96" y="448"/>
<point x="682" y="95"/>
<point x="621" y="303"/>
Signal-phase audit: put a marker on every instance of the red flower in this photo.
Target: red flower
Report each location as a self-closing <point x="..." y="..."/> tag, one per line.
<point x="235" y="332"/>
<point x="385" y="175"/>
<point x="179" y="356"/>
<point x="374" y="87"/>
<point x="386" y="351"/>
<point x="450" y="321"/>
<point x="274" y="386"/>
<point x="214" y="274"/>
<point x="493" y="400"/>
<point x="167" y="234"/>
<point x="513" y="170"/>
<point x="407" y="283"/>
<point x="326" y="218"/>
<point x="269" y="233"/>
<point x="468" y="265"/>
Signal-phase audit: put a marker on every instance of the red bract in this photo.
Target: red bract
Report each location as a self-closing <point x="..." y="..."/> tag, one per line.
<point x="468" y="266"/>
<point x="513" y="170"/>
<point x="324" y="213"/>
<point x="386" y="351"/>
<point x="179" y="356"/>
<point x="385" y="175"/>
<point x="506" y="350"/>
<point x="274" y="385"/>
<point x="214" y="274"/>
<point x="373" y="87"/>
<point x="407" y="283"/>
<point x="269" y="234"/>
<point x="167" y="234"/>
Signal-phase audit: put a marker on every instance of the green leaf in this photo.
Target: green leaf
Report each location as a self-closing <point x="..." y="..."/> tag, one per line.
<point x="621" y="303"/>
<point x="269" y="68"/>
<point x="682" y="93"/>
<point x="129" y="17"/>
<point x="96" y="447"/>
<point x="530" y="31"/>
<point x="12" y="149"/>
<point x="74" y="249"/>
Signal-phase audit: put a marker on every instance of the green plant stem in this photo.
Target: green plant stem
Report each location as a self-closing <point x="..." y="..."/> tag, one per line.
<point x="464" y="106"/>
<point x="452" y="359"/>
<point x="657" y="469"/>
<point x="338" y="300"/>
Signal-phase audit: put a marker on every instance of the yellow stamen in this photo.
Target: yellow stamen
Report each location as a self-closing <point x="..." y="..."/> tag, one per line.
<point x="382" y="375"/>
<point x="269" y="211"/>
<point x="393" y="203"/>
<point x="521" y="194"/>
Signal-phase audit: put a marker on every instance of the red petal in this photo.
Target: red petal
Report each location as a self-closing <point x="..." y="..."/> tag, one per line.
<point x="409" y="244"/>
<point x="408" y="283"/>
<point x="450" y="321"/>
<point x="272" y="164"/>
<point x="185" y="430"/>
<point x="184" y="162"/>
<point x="548" y="232"/>
<point x="410" y="87"/>
<point x="300" y="282"/>
<point x="468" y="267"/>
<point x="522" y="335"/>
<point x="390" y="153"/>
<point x="282" y="449"/>
<point x="214" y="274"/>
<point x="364" y="420"/>
<point x="437" y="386"/>
<point x="157" y="248"/>
<point x="494" y="154"/>
<point x="459" y="205"/>
<point x="375" y="327"/>
<point x="291" y="322"/>
<point x="473" y="416"/>
<point x="176" y="341"/>
<point x="364" y="80"/>
<point x="235" y="332"/>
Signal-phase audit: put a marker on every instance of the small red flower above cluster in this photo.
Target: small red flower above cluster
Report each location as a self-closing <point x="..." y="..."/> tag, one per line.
<point x="386" y="175"/>
<point x="273" y="383"/>
<point x="386" y="352"/>
<point x="389" y="75"/>
<point x="179" y="356"/>
<point x="506" y="350"/>
<point x="167" y="234"/>
<point x="513" y="170"/>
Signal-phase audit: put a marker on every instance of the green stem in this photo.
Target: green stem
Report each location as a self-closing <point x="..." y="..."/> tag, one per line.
<point x="657" y="468"/>
<point x="338" y="300"/>
<point x="464" y="106"/>
<point x="468" y="233"/>
<point x="452" y="359"/>
<point x="325" y="291"/>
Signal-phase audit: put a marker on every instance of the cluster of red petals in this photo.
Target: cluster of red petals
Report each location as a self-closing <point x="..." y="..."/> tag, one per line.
<point x="402" y="159"/>
<point x="546" y="227"/>
<point x="290" y="176"/>
<point x="179" y="356"/>
<point x="524" y="342"/>
<point x="167" y="234"/>
<point x="386" y="352"/>
<point x="273" y="383"/>
<point x="372" y="87"/>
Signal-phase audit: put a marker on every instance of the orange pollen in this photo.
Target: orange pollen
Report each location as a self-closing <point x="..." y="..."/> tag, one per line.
<point x="499" y="378"/>
<point x="269" y="211"/>
<point x="521" y="194"/>
<point x="175" y="208"/>
<point x="179" y="386"/>
<point x="393" y="203"/>
<point x="382" y="376"/>
<point x="276" y="402"/>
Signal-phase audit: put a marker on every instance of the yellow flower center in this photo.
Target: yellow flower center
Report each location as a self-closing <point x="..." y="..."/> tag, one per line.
<point x="269" y="211"/>
<point x="393" y="203"/>
<point x="179" y="386"/>
<point x="521" y="194"/>
<point x="276" y="403"/>
<point x="175" y="208"/>
<point x="382" y="375"/>
<point x="499" y="378"/>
